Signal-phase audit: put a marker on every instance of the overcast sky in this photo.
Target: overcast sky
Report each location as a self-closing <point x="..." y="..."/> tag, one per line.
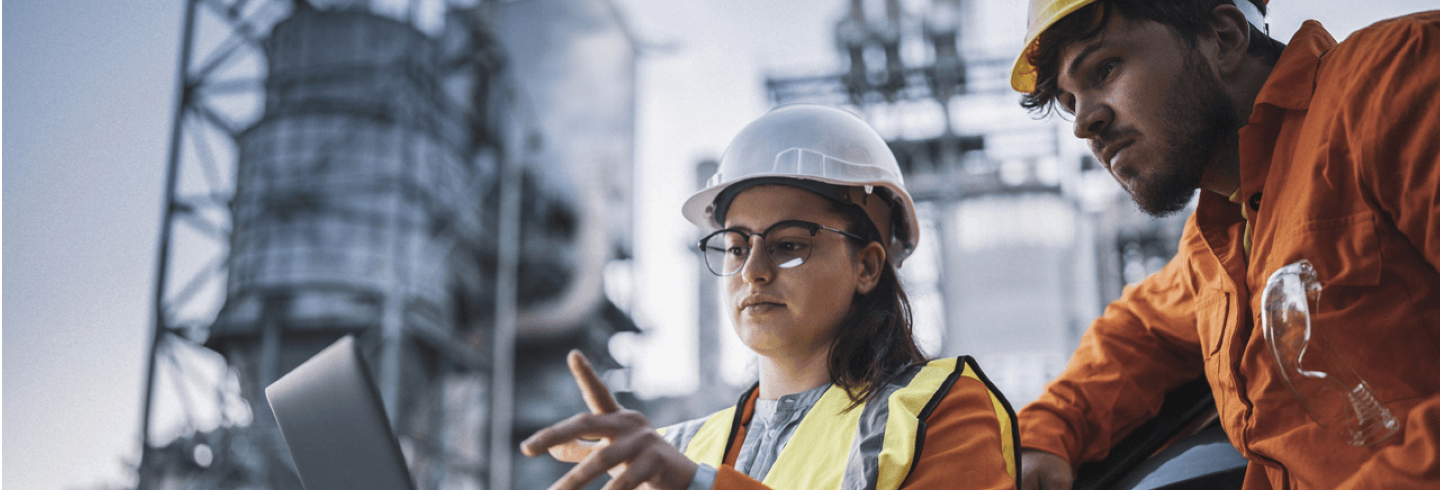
<point x="88" y="96"/>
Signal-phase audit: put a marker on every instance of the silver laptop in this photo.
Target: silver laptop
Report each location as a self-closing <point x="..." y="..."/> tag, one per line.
<point x="331" y="417"/>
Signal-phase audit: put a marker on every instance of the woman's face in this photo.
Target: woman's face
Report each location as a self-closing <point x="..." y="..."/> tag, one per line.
<point x="785" y="312"/>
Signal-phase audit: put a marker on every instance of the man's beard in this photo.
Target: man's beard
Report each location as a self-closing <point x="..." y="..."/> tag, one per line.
<point x="1202" y="123"/>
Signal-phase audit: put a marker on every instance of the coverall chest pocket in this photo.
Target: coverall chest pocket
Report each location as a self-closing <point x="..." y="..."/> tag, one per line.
<point x="1345" y="254"/>
<point x="1344" y="250"/>
<point x="1333" y="344"/>
<point x="1371" y="306"/>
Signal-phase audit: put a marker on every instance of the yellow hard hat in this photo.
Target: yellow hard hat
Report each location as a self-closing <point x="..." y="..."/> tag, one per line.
<point x="1042" y="14"/>
<point x="1045" y="13"/>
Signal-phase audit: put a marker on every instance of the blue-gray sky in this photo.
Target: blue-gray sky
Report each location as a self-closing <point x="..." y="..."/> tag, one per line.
<point x="88" y="91"/>
<point x="88" y="95"/>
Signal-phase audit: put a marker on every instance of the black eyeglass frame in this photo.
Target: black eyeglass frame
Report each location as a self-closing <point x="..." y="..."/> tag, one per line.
<point x="808" y="225"/>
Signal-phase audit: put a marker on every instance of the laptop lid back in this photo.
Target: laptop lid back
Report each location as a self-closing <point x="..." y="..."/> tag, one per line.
<point x="334" y="423"/>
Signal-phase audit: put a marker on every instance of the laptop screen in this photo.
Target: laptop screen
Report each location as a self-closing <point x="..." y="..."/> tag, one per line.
<point x="334" y="423"/>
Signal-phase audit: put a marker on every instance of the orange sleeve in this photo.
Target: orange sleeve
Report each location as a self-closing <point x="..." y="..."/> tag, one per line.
<point x="963" y="447"/>
<point x="728" y="479"/>
<point x="1394" y="121"/>
<point x="1145" y="345"/>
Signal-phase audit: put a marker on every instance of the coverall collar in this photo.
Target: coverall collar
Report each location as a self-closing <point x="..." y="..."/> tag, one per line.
<point x="1290" y="87"/>
<point x="1291" y="83"/>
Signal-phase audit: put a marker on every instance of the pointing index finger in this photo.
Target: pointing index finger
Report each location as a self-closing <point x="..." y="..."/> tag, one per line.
<point x="597" y="395"/>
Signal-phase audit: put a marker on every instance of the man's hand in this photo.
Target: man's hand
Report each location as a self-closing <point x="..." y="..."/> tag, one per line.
<point x="628" y="448"/>
<point x="1041" y="470"/>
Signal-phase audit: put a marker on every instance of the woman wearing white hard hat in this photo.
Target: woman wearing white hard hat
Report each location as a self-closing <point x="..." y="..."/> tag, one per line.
<point x="808" y="219"/>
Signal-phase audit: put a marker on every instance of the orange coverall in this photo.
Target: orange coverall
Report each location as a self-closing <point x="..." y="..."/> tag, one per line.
<point x="1340" y="165"/>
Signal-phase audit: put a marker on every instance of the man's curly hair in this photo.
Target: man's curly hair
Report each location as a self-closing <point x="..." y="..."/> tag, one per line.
<point x="1187" y="18"/>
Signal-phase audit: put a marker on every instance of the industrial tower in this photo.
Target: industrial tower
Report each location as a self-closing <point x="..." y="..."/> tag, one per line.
<point x="382" y="169"/>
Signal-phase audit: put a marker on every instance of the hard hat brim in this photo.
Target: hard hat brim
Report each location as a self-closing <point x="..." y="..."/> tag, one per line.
<point x="698" y="209"/>
<point x="1023" y="76"/>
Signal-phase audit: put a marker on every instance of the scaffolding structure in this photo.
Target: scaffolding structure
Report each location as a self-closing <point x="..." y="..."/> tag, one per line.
<point x="370" y="168"/>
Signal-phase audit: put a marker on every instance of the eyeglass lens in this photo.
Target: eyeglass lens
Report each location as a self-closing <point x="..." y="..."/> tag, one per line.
<point x="787" y="245"/>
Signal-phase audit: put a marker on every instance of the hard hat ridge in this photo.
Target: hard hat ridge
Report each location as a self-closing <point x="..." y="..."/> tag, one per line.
<point x="803" y="143"/>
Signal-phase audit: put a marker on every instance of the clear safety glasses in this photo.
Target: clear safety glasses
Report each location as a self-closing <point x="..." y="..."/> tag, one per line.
<point x="787" y="244"/>
<point x="1332" y="394"/>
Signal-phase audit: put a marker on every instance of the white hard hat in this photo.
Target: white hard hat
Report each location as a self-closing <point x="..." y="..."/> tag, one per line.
<point x="813" y="143"/>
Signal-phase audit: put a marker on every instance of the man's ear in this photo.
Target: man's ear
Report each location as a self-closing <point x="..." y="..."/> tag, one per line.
<point x="872" y="264"/>
<point x="1231" y="35"/>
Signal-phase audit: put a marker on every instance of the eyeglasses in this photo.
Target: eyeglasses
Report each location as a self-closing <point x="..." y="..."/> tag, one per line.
<point x="787" y="244"/>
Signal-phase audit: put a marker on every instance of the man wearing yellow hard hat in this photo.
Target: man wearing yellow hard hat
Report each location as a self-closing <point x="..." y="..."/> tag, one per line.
<point x="1306" y="289"/>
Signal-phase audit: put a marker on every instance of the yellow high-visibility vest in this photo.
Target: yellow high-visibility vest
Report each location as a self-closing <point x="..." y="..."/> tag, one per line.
<point x="820" y="455"/>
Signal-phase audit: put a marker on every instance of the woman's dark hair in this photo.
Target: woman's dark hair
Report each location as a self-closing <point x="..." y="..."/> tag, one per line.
<point x="875" y="341"/>
<point x="1187" y="18"/>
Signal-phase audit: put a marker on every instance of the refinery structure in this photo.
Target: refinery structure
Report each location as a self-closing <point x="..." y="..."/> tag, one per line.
<point x="407" y="172"/>
<point x="447" y="179"/>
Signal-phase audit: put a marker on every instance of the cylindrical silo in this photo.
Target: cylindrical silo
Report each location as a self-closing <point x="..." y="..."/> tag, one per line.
<point x="356" y="211"/>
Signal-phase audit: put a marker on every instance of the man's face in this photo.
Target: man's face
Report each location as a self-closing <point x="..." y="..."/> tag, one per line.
<point x="1153" y="110"/>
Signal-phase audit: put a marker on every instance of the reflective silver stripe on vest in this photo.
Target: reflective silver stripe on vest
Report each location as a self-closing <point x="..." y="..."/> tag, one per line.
<point x="862" y="470"/>
<point x="679" y="435"/>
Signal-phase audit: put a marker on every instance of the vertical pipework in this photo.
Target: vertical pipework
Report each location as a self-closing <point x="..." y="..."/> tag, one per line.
<point x="502" y="399"/>
<point x="945" y="242"/>
<point x="709" y="338"/>
<point x="157" y="333"/>
<point x="852" y="34"/>
<point x="267" y="371"/>
<point x="890" y="40"/>
<point x="392" y="307"/>
<point x="391" y="337"/>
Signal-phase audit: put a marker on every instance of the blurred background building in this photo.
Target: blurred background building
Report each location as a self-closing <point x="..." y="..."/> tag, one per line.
<point x="444" y="180"/>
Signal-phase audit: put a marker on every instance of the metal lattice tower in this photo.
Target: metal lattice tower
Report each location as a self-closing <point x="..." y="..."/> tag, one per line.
<point x="329" y="163"/>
